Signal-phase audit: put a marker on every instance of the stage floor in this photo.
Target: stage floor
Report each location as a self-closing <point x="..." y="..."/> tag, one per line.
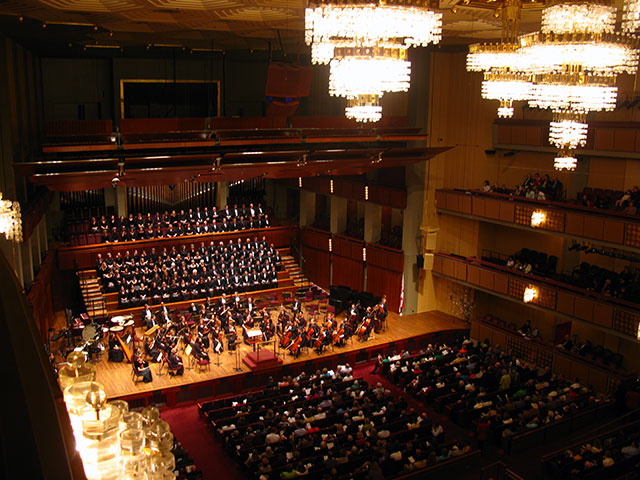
<point x="116" y="377"/>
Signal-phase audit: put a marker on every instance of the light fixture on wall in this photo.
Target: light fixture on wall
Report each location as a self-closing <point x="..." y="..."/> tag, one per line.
<point x="538" y="217"/>
<point x="299" y="182"/>
<point x="366" y="192"/>
<point x="331" y="185"/>
<point x="530" y="294"/>
<point x="330" y="245"/>
<point x="364" y="254"/>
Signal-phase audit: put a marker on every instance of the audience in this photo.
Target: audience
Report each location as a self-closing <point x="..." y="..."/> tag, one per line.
<point x="184" y="274"/>
<point x="486" y="388"/>
<point x="608" y="455"/>
<point x="325" y="425"/>
<point x="544" y="188"/>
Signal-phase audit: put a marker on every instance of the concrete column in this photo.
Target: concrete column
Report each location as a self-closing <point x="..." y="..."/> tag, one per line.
<point x="223" y="194"/>
<point x="372" y="222"/>
<point x="121" y="200"/>
<point x="307" y="207"/>
<point x="411" y="221"/>
<point x="338" y="212"/>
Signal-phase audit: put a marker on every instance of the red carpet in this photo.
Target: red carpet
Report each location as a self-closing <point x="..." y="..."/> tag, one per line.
<point x="207" y="453"/>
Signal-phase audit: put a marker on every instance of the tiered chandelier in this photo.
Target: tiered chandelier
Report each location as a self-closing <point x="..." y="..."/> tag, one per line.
<point x="10" y="220"/>
<point x="365" y="43"/>
<point x="569" y="67"/>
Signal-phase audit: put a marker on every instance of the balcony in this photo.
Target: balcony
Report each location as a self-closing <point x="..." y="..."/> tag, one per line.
<point x="614" y="229"/>
<point x="612" y="315"/>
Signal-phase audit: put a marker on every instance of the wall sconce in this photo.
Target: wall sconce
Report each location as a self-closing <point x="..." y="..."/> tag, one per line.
<point x="366" y="192"/>
<point x="530" y="294"/>
<point x="331" y="185"/>
<point x="330" y="245"/>
<point x="299" y="182"/>
<point x="364" y="254"/>
<point x="538" y="217"/>
<point x="638" y="333"/>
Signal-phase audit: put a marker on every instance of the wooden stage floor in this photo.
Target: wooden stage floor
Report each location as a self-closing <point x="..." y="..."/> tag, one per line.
<point x="116" y="377"/>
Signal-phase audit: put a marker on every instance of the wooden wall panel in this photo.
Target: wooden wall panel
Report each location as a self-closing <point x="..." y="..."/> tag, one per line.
<point x="583" y="308"/>
<point x="613" y="231"/>
<point x="473" y="275"/>
<point x="604" y="139"/>
<point x="466" y="204"/>
<point x="316" y="265"/>
<point x="602" y="314"/>
<point x="492" y="209"/>
<point x="624" y="139"/>
<point x="501" y="283"/>
<point x="486" y="279"/>
<point x="441" y="199"/>
<point x="593" y="227"/>
<point x="507" y="212"/>
<point x="574" y="224"/>
<point x="460" y="271"/>
<point x="478" y="206"/>
<point x="565" y="303"/>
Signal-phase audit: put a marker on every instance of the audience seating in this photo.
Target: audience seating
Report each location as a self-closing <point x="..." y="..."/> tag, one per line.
<point x="327" y="425"/>
<point x="608" y="455"/>
<point x="480" y="384"/>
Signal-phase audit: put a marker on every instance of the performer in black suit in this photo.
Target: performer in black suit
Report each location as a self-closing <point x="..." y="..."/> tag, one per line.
<point x="176" y="366"/>
<point x="115" y="352"/>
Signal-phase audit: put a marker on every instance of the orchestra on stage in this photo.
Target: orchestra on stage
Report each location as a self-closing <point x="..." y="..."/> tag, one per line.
<point x="211" y="328"/>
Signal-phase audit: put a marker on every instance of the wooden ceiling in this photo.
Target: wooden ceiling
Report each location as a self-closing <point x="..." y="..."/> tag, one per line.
<point x="70" y="175"/>
<point x="217" y="24"/>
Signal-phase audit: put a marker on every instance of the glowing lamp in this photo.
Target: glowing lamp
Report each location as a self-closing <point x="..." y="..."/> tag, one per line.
<point x="538" y="217"/>
<point x="530" y="294"/>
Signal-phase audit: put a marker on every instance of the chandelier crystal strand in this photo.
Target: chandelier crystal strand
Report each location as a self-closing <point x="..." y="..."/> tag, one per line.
<point x="364" y="108"/>
<point x="565" y="161"/>
<point x="574" y="93"/>
<point x="583" y="17"/>
<point x="506" y="88"/>
<point x="631" y="16"/>
<point x="350" y="76"/>
<point x="568" y="131"/>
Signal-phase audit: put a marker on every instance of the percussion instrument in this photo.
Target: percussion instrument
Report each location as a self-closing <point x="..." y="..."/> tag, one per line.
<point x="91" y="333"/>
<point x="129" y="323"/>
<point x="116" y="329"/>
<point x="119" y="319"/>
<point x="105" y="329"/>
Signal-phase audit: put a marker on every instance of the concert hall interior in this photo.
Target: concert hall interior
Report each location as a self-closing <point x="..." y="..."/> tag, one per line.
<point x="226" y="254"/>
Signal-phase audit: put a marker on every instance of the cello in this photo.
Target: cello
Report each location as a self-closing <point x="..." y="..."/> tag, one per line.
<point x="294" y="348"/>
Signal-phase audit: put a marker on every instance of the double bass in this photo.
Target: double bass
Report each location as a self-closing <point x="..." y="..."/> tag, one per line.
<point x="366" y="323"/>
<point x="294" y="348"/>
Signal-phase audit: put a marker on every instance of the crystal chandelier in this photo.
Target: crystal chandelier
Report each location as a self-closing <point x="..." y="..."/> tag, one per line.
<point x="368" y="71"/>
<point x="571" y="66"/>
<point x="10" y="220"/>
<point x="631" y="16"/>
<point x="565" y="161"/>
<point x="365" y="43"/>
<point x="364" y="108"/>
<point x="505" y="87"/>
<point x="330" y="24"/>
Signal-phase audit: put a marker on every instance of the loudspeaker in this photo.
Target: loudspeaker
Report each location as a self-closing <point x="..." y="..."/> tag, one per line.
<point x="431" y="241"/>
<point x="420" y="261"/>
